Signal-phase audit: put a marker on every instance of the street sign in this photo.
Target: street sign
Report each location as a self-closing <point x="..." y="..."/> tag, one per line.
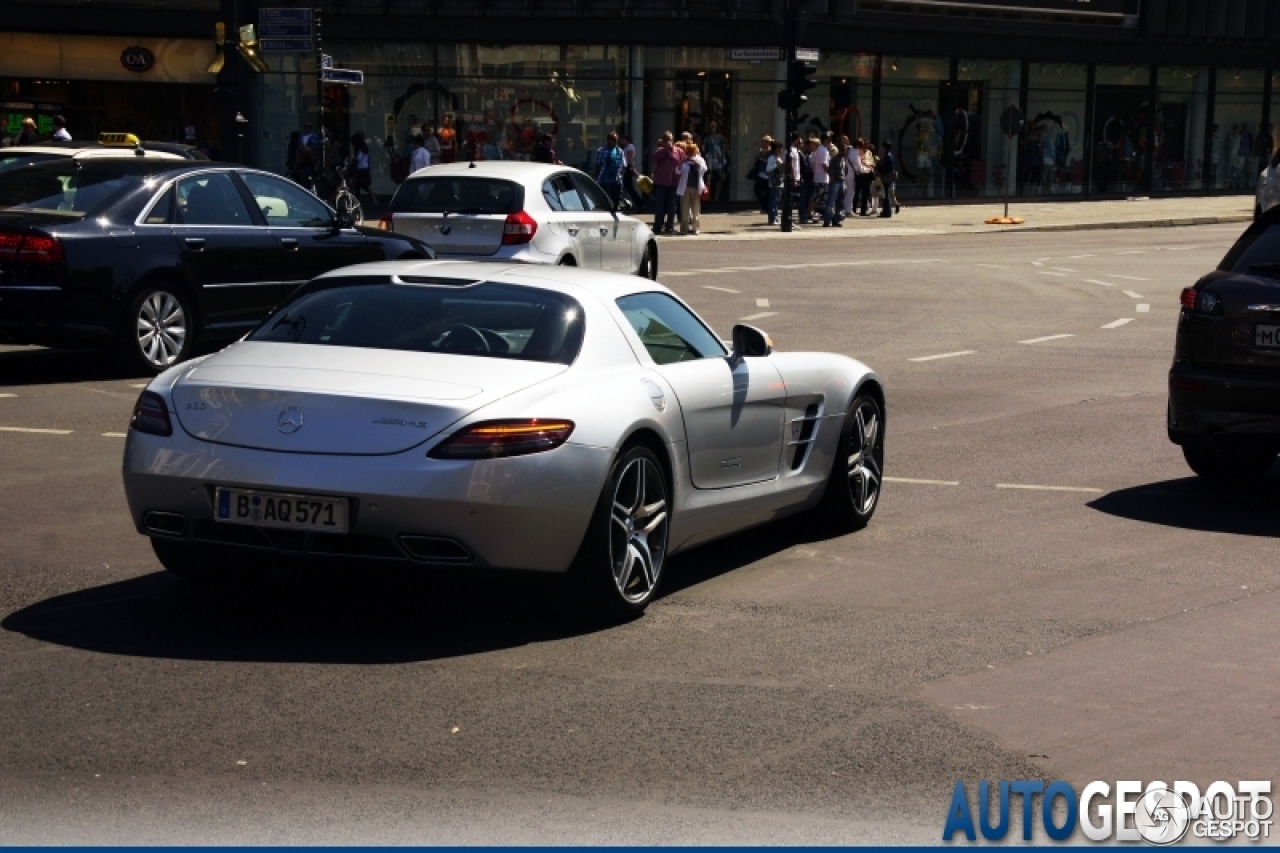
<point x="345" y="76"/>
<point x="285" y="30"/>
<point x="754" y="54"/>
<point x="1011" y="121"/>
<point x="807" y="54"/>
<point x="326" y="61"/>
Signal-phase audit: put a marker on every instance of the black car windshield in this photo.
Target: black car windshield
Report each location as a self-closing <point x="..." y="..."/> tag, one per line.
<point x="458" y="194"/>
<point x="1257" y="251"/>
<point x="487" y="320"/>
<point x="68" y="188"/>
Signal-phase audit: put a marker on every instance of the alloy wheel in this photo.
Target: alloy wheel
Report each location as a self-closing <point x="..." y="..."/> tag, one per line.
<point x="161" y="328"/>
<point x="866" y="458"/>
<point x="638" y="530"/>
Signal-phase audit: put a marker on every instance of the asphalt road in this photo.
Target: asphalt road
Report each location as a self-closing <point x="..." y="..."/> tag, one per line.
<point x="1045" y="592"/>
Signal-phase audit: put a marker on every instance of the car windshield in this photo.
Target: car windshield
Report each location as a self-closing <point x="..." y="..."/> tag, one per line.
<point x="1257" y="251"/>
<point x="17" y="161"/>
<point x="458" y="194"/>
<point x="487" y="320"/>
<point x="67" y="188"/>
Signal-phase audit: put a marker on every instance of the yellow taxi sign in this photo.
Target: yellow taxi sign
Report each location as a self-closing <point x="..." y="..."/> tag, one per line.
<point x="122" y="139"/>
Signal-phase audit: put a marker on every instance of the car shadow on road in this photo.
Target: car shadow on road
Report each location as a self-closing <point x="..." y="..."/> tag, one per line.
<point x="353" y="617"/>
<point x="39" y="366"/>
<point x="1193" y="504"/>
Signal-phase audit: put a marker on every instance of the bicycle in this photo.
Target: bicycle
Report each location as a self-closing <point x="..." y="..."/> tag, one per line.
<point x="345" y="201"/>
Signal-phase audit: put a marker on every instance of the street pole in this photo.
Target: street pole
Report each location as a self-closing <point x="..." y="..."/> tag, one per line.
<point x="1008" y="177"/>
<point x="788" y="54"/>
<point x="315" y="13"/>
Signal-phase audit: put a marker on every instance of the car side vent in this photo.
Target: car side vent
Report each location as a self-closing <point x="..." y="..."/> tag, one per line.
<point x="439" y="281"/>
<point x="802" y="430"/>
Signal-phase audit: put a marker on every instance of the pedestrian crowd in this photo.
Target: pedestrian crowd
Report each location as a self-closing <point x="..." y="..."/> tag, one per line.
<point x="29" y="134"/>
<point x="832" y="178"/>
<point x="313" y="160"/>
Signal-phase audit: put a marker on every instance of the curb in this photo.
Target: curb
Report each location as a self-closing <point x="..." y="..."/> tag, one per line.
<point x="1145" y="223"/>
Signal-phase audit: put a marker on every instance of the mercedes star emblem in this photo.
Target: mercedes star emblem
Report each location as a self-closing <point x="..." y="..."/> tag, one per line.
<point x="445" y="229"/>
<point x="290" y="421"/>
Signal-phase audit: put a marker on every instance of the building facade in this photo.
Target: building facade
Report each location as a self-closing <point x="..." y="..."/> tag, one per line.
<point x="1121" y="97"/>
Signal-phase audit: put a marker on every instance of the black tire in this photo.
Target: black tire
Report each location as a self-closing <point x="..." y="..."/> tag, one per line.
<point x="1235" y="467"/>
<point x="158" y="331"/>
<point x="649" y="263"/>
<point x="209" y="565"/>
<point x="619" y="566"/>
<point x="567" y="261"/>
<point x="853" y="487"/>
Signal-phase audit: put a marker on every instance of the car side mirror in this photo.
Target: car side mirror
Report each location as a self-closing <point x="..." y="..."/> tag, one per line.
<point x="622" y="205"/>
<point x="343" y="220"/>
<point x="750" y="342"/>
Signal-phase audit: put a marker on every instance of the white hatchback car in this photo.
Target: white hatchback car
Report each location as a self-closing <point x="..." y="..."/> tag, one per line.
<point x="523" y="212"/>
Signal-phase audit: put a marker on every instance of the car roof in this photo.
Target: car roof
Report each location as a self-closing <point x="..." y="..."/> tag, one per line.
<point x="175" y="150"/>
<point x="514" y="170"/>
<point x="573" y="281"/>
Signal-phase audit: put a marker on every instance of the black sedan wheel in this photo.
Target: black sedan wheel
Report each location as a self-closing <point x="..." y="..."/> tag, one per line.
<point x="1229" y="467"/>
<point x="853" y="489"/>
<point x="159" y="330"/>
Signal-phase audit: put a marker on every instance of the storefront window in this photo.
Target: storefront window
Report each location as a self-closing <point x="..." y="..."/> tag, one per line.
<point x="994" y="85"/>
<point x="847" y="77"/>
<point x="918" y="110"/>
<point x="1122" y="122"/>
<point x="1056" y="105"/>
<point x="1181" y="110"/>
<point x="1237" y="115"/>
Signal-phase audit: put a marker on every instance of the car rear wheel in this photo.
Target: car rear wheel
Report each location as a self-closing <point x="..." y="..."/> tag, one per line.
<point x="619" y="565"/>
<point x="649" y="264"/>
<point x="159" y="330"/>
<point x="208" y="565"/>
<point x="1229" y="467"/>
<point x="853" y="489"/>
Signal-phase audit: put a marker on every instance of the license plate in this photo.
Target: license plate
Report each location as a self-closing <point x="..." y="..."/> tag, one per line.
<point x="272" y="509"/>
<point x="1266" y="336"/>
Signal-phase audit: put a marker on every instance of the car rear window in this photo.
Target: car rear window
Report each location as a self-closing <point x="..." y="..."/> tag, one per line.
<point x="486" y="320"/>
<point x="458" y="194"/>
<point x="17" y="161"/>
<point x="67" y="188"/>
<point x="1257" y="251"/>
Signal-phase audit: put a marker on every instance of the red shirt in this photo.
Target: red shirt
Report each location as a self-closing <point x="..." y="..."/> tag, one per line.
<point x="666" y="166"/>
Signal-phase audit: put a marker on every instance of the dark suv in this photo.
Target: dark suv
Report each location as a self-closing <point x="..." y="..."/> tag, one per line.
<point x="1224" y="386"/>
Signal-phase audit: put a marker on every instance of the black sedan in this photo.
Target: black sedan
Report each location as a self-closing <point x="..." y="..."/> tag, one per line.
<point x="1224" y="386"/>
<point x="153" y="256"/>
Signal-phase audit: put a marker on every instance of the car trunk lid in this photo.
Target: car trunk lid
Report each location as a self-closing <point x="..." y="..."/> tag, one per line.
<point x="339" y="400"/>
<point x="474" y="234"/>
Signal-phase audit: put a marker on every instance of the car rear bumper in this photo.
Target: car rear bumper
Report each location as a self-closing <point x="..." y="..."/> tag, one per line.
<point x="1207" y="403"/>
<point x="528" y="512"/>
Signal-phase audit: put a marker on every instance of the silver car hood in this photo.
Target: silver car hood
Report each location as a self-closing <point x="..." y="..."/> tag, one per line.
<point x="301" y="398"/>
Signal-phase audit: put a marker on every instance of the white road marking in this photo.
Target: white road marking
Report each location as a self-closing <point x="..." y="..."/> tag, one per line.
<point x="943" y="355"/>
<point x="1063" y="269"/>
<point x="41" y="431"/>
<point x="144" y="385"/>
<point x="115" y="435"/>
<point x="1143" y="308"/>
<point x="1058" y="274"/>
<point x="761" y="316"/>
<point x="762" y="303"/>
<point x="804" y="266"/>
<point x="1036" y="264"/>
<point x="922" y="482"/>
<point x="1115" y="324"/>
<point x="1137" y="252"/>
<point x="706" y="286"/>
<point x="1047" y="488"/>
<point x="8" y="395"/>
<point x="1045" y="338"/>
<point x="993" y="266"/>
<point x="1073" y="257"/>
<point x="1128" y="277"/>
<point x="1132" y="295"/>
<point x="1180" y="248"/>
<point x="1095" y="281"/>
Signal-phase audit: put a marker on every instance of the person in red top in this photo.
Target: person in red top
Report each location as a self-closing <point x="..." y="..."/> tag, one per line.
<point x="666" y="177"/>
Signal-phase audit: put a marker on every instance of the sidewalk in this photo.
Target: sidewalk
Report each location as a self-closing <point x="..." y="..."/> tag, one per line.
<point x="969" y="219"/>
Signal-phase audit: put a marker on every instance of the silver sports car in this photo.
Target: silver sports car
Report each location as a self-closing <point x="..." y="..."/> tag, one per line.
<point x="537" y="418"/>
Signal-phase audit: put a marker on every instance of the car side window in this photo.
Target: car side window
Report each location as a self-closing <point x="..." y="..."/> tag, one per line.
<point x="669" y="331"/>
<point x="569" y="198"/>
<point x="552" y="197"/>
<point x="284" y="204"/>
<point x="210" y="199"/>
<point x="162" y="211"/>
<point x="595" y="197"/>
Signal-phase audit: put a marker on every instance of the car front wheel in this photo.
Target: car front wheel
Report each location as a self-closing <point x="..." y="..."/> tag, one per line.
<point x="159" y="330"/>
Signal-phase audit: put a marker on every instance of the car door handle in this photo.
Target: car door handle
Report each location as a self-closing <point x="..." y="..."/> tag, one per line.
<point x="573" y="230"/>
<point x="290" y="243"/>
<point x="604" y="232"/>
<point x="195" y="243"/>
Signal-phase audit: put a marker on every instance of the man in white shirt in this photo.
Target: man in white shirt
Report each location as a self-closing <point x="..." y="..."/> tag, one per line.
<point x="421" y="158"/>
<point x="60" y="132"/>
<point x="820" y="159"/>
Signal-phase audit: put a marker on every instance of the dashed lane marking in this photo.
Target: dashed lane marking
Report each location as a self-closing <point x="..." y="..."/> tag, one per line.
<point x="1132" y="295"/>
<point x="1045" y="338"/>
<point x="943" y="355"/>
<point x="1077" y="257"/>
<point x="40" y="431"/>
<point x="706" y="286"/>
<point x="992" y="266"/>
<point x="922" y="482"/>
<point x="1128" y="277"/>
<point x="762" y="303"/>
<point x="1063" y="269"/>
<point x="1135" y="252"/>
<point x="761" y="315"/>
<point x="1096" y="281"/>
<point x="8" y="395"/>
<point x="144" y="385"/>
<point x="1036" y="264"/>
<point x="1058" y="274"/>
<point x="1143" y="308"/>
<point x="115" y="435"/>
<point x="1048" y="488"/>
<point x="1115" y="324"/>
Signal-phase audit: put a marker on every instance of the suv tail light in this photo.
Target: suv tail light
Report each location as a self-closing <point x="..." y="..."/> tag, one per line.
<point x="32" y="248"/>
<point x="1189" y="298"/>
<point x="494" y="439"/>
<point x="519" y="228"/>
<point x="151" y="415"/>
<point x="1202" y="301"/>
<point x="385" y="223"/>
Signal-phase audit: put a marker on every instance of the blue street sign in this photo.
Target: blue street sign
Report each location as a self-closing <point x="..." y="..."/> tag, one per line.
<point x="268" y="45"/>
<point x="346" y="76"/>
<point x="285" y="30"/>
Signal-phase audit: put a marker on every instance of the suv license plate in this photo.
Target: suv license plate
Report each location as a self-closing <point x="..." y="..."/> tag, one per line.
<point x="1266" y="336"/>
<point x="272" y="509"/>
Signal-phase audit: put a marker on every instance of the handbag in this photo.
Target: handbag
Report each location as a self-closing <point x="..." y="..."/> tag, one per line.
<point x="706" y="192"/>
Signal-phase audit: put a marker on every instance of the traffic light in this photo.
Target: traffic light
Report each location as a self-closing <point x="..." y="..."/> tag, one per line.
<point x="798" y="82"/>
<point x="788" y="101"/>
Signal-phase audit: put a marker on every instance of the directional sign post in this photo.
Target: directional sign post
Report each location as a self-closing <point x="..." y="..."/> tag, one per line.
<point x="345" y="76"/>
<point x="1011" y="122"/>
<point x="285" y="30"/>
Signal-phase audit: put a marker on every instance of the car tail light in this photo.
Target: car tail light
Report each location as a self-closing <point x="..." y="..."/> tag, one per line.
<point x="151" y="415"/>
<point x="32" y="248"/>
<point x="385" y="223"/>
<point x="494" y="439"/>
<point x="519" y="228"/>
<point x="1189" y="298"/>
<point x="1203" y="301"/>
